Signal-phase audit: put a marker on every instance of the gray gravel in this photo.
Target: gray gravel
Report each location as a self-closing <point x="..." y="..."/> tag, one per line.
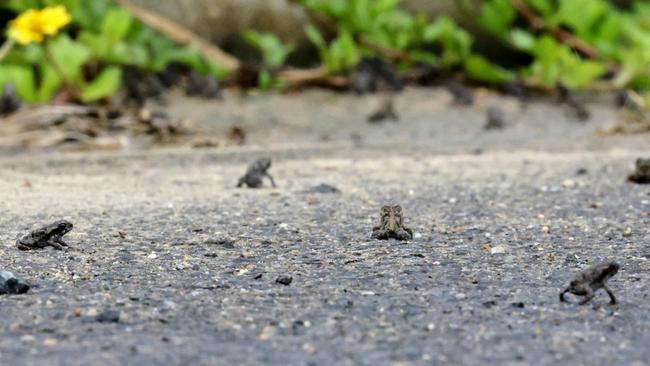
<point x="170" y="264"/>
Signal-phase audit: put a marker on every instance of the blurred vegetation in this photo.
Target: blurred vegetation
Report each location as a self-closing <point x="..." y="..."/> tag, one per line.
<point x="579" y="44"/>
<point x="89" y="56"/>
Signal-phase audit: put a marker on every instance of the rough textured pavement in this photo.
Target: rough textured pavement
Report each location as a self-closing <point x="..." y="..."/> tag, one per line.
<point x="181" y="267"/>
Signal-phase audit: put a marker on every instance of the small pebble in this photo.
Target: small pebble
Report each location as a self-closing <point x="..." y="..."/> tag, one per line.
<point x="489" y="304"/>
<point x="323" y="188"/>
<point x="284" y="280"/>
<point x="499" y="249"/>
<point x="108" y="316"/>
<point x="309" y="348"/>
<point x="569" y="183"/>
<point x="627" y="232"/>
<point x="546" y="229"/>
<point x="11" y="285"/>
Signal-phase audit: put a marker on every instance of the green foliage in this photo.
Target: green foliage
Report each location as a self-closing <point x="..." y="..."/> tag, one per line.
<point x="620" y="38"/>
<point x="340" y="55"/>
<point x="478" y="68"/>
<point x="366" y="26"/>
<point x="274" y="54"/>
<point x="106" y="38"/>
<point x="555" y="63"/>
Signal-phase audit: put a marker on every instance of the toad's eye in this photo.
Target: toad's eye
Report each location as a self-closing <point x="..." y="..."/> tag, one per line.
<point x="397" y="209"/>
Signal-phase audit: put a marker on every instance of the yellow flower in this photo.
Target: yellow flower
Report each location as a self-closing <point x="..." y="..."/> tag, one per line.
<point x="33" y="25"/>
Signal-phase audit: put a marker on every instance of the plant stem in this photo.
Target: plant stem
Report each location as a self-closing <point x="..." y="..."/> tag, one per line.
<point x="70" y="85"/>
<point x="6" y="47"/>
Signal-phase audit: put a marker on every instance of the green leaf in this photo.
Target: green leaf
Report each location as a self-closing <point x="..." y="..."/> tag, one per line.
<point x="315" y="37"/>
<point x="522" y="40"/>
<point x="479" y="68"/>
<point x="116" y="24"/>
<point x="104" y="86"/>
<point x="50" y="83"/>
<point x="580" y="75"/>
<point x="264" y="80"/>
<point x="22" y="77"/>
<point x="545" y="7"/>
<point x="98" y="43"/>
<point x="382" y="6"/>
<point x="274" y="52"/>
<point x="497" y="16"/>
<point x="69" y="56"/>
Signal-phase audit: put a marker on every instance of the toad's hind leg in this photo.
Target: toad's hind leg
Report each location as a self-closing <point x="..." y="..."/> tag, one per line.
<point x="589" y="294"/>
<point x="380" y="234"/>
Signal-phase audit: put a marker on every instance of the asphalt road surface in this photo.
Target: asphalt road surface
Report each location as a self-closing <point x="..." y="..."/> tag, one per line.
<point x="170" y="264"/>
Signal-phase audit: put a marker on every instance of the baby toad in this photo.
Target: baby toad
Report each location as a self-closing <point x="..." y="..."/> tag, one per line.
<point x="255" y="173"/>
<point x="392" y="225"/>
<point x="642" y="173"/>
<point x="49" y="235"/>
<point x="589" y="280"/>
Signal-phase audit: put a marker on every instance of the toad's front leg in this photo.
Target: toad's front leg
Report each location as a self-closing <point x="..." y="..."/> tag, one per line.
<point x="55" y="244"/>
<point x="271" y="179"/>
<point x="380" y="234"/>
<point x="403" y="234"/>
<point x="611" y="295"/>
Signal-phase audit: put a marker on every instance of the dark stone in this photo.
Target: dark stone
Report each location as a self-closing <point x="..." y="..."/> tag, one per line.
<point x="10" y="285"/>
<point x="518" y="305"/>
<point x="323" y="188"/>
<point x="224" y="242"/>
<point x="108" y="316"/>
<point x="582" y="171"/>
<point x="373" y="74"/>
<point x="9" y="102"/>
<point x="489" y="304"/>
<point x="284" y="280"/>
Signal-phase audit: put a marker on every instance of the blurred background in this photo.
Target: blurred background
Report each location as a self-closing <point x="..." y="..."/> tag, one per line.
<point x="102" y="63"/>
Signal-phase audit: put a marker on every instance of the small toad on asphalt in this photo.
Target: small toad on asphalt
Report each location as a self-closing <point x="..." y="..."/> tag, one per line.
<point x="49" y="235"/>
<point x="462" y="94"/>
<point x="641" y="174"/>
<point x="256" y="171"/>
<point x="385" y="111"/>
<point x="495" y="118"/>
<point x="392" y="225"/>
<point x="589" y="280"/>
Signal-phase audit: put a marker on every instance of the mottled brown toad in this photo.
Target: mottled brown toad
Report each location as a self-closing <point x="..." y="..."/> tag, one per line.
<point x="49" y="235"/>
<point x="256" y="171"/>
<point x="589" y="280"/>
<point x="392" y="225"/>
<point x="385" y="111"/>
<point x="641" y="173"/>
